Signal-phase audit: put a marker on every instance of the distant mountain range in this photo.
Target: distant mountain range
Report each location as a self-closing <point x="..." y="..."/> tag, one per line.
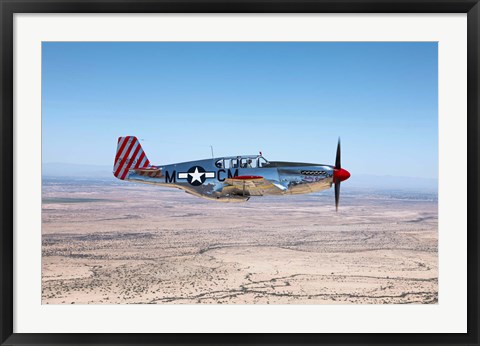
<point x="75" y="170"/>
<point x="356" y="181"/>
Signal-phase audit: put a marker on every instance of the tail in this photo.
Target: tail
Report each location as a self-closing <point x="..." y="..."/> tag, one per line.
<point x="129" y="155"/>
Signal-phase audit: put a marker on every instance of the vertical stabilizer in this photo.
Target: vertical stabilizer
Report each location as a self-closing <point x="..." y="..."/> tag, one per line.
<point x="129" y="155"/>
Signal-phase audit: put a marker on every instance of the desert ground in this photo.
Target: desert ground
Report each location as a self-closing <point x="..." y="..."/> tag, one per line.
<point x="111" y="242"/>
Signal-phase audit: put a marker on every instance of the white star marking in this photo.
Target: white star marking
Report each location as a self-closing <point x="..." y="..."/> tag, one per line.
<point x="196" y="176"/>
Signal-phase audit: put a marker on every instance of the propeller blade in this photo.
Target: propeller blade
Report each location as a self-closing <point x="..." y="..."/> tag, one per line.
<point x="337" y="194"/>
<point x="338" y="164"/>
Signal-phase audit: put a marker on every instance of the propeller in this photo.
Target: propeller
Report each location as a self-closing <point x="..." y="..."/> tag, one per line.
<point x="338" y="163"/>
<point x="337" y="194"/>
<point x="339" y="175"/>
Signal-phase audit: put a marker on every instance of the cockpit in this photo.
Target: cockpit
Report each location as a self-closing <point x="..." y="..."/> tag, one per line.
<point x="248" y="161"/>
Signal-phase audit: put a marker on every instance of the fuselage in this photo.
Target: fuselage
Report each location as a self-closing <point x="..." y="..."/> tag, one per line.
<point x="212" y="178"/>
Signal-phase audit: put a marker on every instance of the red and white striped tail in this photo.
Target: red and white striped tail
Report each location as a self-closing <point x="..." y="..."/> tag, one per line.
<point x="129" y="155"/>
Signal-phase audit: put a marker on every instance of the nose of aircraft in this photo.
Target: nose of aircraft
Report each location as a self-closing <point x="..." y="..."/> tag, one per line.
<point x="340" y="174"/>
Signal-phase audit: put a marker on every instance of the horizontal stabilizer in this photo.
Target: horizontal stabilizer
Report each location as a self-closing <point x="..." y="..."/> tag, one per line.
<point x="152" y="172"/>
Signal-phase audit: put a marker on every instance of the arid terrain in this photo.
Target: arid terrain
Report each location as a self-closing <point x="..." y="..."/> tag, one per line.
<point x="110" y="242"/>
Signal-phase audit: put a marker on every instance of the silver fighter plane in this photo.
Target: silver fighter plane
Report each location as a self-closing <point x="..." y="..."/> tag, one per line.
<point x="229" y="179"/>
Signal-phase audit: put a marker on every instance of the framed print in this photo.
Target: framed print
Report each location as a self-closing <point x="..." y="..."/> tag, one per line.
<point x="239" y="173"/>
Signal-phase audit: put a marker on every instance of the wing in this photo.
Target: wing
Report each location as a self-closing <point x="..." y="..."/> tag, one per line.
<point x="251" y="185"/>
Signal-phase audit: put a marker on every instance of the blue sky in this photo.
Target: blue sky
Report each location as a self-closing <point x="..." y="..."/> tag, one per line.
<point x="289" y="100"/>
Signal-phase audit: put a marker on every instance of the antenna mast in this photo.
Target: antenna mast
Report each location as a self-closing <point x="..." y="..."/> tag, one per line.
<point x="211" y="147"/>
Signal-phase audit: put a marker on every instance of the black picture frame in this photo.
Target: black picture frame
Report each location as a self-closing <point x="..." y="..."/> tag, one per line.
<point x="9" y="7"/>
